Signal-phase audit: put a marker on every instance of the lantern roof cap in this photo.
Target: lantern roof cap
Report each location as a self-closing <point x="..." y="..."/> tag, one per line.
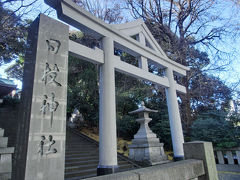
<point x="142" y="109"/>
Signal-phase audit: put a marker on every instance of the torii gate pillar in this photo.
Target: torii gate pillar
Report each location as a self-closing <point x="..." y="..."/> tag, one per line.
<point x="174" y="117"/>
<point x="107" y="105"/>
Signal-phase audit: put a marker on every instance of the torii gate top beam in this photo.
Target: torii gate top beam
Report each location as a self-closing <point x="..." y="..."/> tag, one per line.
<point x="76" y="16"/>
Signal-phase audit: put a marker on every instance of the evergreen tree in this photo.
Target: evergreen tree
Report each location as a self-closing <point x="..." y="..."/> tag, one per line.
<point x="212" y="126"/>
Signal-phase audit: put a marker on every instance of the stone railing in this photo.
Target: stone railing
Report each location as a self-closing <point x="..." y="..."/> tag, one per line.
<point x="199" y="164"/>
<point x="5" y="157"/>
<point x="187" y="170"/>
<point x="228" y="156"/>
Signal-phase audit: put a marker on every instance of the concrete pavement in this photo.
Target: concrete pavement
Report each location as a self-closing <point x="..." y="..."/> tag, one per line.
<point x="228" y="172"/>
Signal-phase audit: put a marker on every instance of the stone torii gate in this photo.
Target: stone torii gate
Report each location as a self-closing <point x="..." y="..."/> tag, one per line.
<point x="41" y="143"/>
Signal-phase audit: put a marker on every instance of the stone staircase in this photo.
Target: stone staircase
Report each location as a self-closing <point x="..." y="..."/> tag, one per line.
<point x="81" y="159"/>
<point x="5" y="157"/>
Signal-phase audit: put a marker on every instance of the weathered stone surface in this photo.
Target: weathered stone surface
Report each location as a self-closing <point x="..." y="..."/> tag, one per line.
<point x="5" y="176"/>
<point x="203" y="151"/>
<point x="220" y="157"/>
<point x="186" y="170"/>
<point x="181" y="170"/>
<point x="3" y="142"/>
<point x="6" y="163"/>
<point x="118" y="176"/>
<point x="7" y="150"/>
<point x="41" y="141"/>
<point x="230" y="157"/>
<point x="1" y="132"/>
<point x="145" y="146"/>
<point x="5" y="158"/>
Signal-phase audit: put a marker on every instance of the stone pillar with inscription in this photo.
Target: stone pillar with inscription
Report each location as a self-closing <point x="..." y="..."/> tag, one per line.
<point x="40" y="151"/>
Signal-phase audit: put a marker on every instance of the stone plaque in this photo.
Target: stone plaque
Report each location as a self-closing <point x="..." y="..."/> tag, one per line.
<point x="41" y="141"/>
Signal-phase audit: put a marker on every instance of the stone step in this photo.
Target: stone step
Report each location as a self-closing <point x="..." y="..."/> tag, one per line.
<point x="82" y="151"/>
<point x="128" y="169"/>
<point x="121" y="162"/>
<point x="81" y="173"/>
<point x="1" y="132"/>
<point x="92" y="166"/>
<point x="82" y="148"/>
<point x="76" y="163"/>
<point x="79" y="152"/>
<point x="125" y="167"/>
<point x="81" y="162"/>
<point x="91" y="171"/>
<point x="80" y="155"/>
<point x="7" y="150"/>
<point x="81" y="158"/>
<point x="74" y="153"/>
<point x="81" y="177"/>
<point x="77" y="142"/>
<point x="3" y="142"/>
<point x="81" y="167"/>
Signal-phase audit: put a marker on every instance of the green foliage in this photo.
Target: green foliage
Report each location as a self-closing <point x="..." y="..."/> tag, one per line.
<point x="83" y="90"/>
<point x="130" y="93"/>
<point x="127" y="126"/>
<point x="160" y="120"/>
<point x="12" y="35"/>
<point x="213" y="126"/>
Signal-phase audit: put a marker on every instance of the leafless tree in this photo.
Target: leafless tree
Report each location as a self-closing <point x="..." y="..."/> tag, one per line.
<point x="184" y="28"/>
<point x="108" y="11"/>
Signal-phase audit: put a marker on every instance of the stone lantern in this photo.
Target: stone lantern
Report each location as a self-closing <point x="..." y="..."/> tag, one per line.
<point x="146" y="147"/>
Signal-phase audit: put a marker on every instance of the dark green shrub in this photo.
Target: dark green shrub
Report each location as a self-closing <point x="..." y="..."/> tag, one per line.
<point x="213" y="127"/>
<point x="127" y="127"/>
<point x="10" y="101"/>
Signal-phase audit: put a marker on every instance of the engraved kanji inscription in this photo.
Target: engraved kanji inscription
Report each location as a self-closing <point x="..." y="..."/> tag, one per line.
<point x="53" y="105"/>
<point x="44" y="106"/>
<point x="53" y="45"/>
<point x="46" y="146"/>
<point x="40" y="145"/>
<point x="50" y="144"/>
<point x="49" y="105"/>
<point x="49" y="75"/>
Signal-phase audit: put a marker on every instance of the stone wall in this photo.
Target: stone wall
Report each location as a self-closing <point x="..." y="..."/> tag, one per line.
<point x="5" y="157"/>
<point x="187" y="170"/>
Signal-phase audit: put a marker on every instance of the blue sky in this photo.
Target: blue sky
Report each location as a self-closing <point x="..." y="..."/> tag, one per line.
<point x="231" y="75"/>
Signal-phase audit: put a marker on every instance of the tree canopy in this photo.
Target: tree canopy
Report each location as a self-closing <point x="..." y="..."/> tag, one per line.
<point x="212" y="126"/>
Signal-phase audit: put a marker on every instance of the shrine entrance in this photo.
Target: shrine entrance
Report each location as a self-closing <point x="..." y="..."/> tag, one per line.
<point x="41" y="143"/>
